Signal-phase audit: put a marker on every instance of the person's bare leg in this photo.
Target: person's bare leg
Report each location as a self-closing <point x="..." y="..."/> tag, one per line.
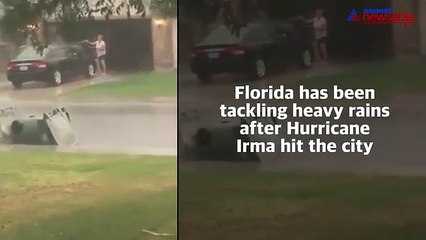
<point x="103" y="66"/>
<point x="323" y="49"/>
<point x="317" y="56"/>
<point x="98" y="67"/>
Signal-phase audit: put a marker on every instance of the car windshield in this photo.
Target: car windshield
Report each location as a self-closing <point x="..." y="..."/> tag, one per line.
<point x="29" y="53"/>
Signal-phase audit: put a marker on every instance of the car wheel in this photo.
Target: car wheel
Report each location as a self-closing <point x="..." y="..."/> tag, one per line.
<point x="91" y="71"/>
<point x="258" y="70"/>
<point x="17" y="85"/>
<point x="306" y="59"/>
<point x="204" y="78"/>
<point x="57" y="78"/>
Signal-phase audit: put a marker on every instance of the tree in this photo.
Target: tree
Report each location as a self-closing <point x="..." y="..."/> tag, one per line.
<point x="164" y="8"/>
<point x="24" y="17"/>
<point x="27" y="16"/>
<point x="202" y="11"/>
<point x="234" y="16"/>
<point x="237" y="13"/>
<point x="24" y="12"/>
<point x="234" y="13"/>
<point x="161" y="8"/>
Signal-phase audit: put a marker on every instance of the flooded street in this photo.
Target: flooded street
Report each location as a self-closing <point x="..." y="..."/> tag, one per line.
<point x="102" y="127"/>
<point x="398" y="140"/>
<point x="113" y="127"/>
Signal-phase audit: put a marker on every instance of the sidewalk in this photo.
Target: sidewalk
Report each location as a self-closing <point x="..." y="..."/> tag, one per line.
<point x="3" y="79"/>
<point x="95" y="150"/>
<point x="110" y="107"/>
<point x="184" y="73"/>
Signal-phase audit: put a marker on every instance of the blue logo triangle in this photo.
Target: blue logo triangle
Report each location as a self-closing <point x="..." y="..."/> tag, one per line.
<point x="353" y="13"/>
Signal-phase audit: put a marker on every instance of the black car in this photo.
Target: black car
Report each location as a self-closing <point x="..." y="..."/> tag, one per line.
<point x="260" y="49"/>
<point x="53" y="64"/>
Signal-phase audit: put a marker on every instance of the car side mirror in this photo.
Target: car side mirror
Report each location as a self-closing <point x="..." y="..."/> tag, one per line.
<point x="280" y="37"/>
<point x="72" y="55"/>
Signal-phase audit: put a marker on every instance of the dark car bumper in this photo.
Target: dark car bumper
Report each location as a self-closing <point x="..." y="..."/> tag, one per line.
<point x="28" y="76"/>
<point x="218" y="66"/>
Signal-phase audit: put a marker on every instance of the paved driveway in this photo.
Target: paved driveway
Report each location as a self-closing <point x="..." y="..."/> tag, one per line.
<point x="42" y="91"/>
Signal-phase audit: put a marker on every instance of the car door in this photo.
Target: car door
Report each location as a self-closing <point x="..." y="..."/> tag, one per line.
<point x="297" y="43"/>
<point x="83" y="60"/>
<point x="58" y="60"/>
<point x="282" y="42"/>
<point x="262" y="41"/>
<point x="73" y="62"/>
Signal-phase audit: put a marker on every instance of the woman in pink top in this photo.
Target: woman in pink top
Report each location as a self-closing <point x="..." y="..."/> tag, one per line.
<point x="101" y="53"/>
<point x="319" y="23"/>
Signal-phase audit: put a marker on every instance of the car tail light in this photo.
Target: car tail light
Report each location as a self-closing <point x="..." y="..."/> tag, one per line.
<point x="235" y="50"/>
<point x="39" y="65"/>
<point x="10" y="66"/>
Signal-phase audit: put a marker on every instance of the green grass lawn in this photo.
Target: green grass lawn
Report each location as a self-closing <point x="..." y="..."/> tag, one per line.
<point x="85" y="197"/>
<point x="388" y="78"/>
<point x="136" y="86"/>
<point x="229" y="204"/>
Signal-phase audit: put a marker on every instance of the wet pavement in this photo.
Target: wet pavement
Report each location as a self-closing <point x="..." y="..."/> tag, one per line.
<point x="115" y="129"/>
<point x="43" y="91"/>
<point x="100" y="127"/>
<point x="398" y="150"/>
<point x="192" y="94"/>
<point x="398" y="140"/>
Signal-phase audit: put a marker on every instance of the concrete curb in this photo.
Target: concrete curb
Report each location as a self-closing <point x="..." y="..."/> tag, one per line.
<point x="4" y="84"/>
<point x="152" y="151"/>
<point x="97" y="107"/>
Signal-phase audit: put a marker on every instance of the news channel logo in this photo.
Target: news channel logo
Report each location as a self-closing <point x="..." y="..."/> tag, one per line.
<point x="380" y="16"/>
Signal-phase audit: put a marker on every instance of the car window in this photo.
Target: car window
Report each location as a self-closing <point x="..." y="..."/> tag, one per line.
<point x="291" y="32"/>
<point x="30" y="53"/>
<point x="69" y="52"/>
<point x="289" y="27"/>
<point x="74" y="51"/>
<point x="258" y="34"/>
<point x="56" y="53"/>
<point x="280" y="30"/>
<point x="82" y="52"/>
